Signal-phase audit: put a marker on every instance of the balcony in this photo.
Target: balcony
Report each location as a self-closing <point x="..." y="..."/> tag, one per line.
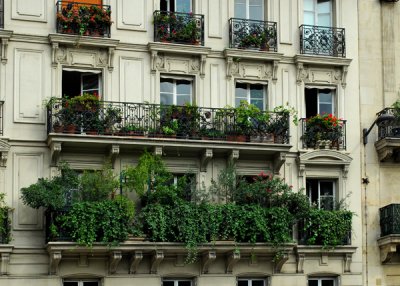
<point x="388" y="144"/>
<point x="389" y="241"/>
<point x="323" y="132"/>
<point x="179" y="28"/>
<point x="83" y="19"/>
<point x="322" y="41"/>
<point x="252" y="34"/>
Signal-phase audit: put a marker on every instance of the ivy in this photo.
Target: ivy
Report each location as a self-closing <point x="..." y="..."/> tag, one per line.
<point x="5" y="223"/>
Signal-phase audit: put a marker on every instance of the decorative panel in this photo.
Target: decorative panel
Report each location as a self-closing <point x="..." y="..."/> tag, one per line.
<point x="214" y="18"/>
<point x="131" y="80"/>
<point x="28" y="86"/>
<point x="32" y="10"/>
<point x="132" y="14"/>
<point x="285" y="86"/>
<point x="215" y="87"/>
<point x="285" y="21"/>
<point x="27" y="169"/>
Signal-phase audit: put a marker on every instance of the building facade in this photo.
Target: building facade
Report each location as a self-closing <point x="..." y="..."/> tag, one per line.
<point x="210" y="54"/>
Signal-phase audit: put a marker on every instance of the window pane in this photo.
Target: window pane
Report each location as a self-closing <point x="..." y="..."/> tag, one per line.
<point x="241" y="90"/>
<point x="325" y="108"/>
<point x="240" y="9"/>
<point x="69" y="283"/>
<point x="325" y="96"/>
<point x="326" y="188"/>
<point x="256" y="91"/>
<point x="168" y="283"/>
<point x="324" y="20"/>
<point x="183" y="6"/>
<point x="166" y="85"/>
<point x="327" y="282"/>
<point x="90" y="81"/>
<point x="257" y="283"/>
<point x="309" y="18"/>
<point x="183" y="87"/>
<point x="258" y="102"/>
<point x="184" y="283"/>
<point x="183" y="99"/>
<point x="312" y="282"/>
<point x="238" y="100"/>
<point x="243" y="283"/>
<point x="324" y="6"/>
<point x="90" y="283"/>
<point x="256" y="10"/>
<point x="308" y="5"/>
<point x="166" y="98"/>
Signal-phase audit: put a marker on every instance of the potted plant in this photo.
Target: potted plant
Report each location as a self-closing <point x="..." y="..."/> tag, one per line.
<point x="170" y="129"/>
<point x="396" y="123"/>
<point x="112" y="117"/>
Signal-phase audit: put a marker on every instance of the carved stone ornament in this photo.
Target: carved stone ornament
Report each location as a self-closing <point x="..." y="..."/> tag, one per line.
<point x="4" y="149"/>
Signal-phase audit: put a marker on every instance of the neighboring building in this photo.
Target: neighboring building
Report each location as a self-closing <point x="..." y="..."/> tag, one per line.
<point x="266" y="52"/>
<point x="379" y="89"/>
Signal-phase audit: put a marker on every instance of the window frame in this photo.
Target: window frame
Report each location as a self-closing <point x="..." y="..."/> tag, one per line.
<point x="334" y="97"/>
<point x="84" y="73"/>
<point x="174" y="90"/>
<point x="316" y="14"/>
<point x="247" y="7"/>
<point x="81" y="281"/>
<point x="248" y="93"/>
<point x="323" y="278"/>
<point x="177" y="280"/>
<point x="168" y="2"/>
<point x="319" y="181"/>
<point x="251" y="279"/>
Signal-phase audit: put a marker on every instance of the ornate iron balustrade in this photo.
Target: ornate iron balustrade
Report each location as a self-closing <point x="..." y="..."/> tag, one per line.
<point x="319" y="136"/>
<point x="180" y="28"/>
<point x="324" y="41"/>
<point x="390" y="219"/>
<point x="168" y="121"/>
<point x="83" y="19"/>
<point x="388" y="128"/>
<point x="252" y="34"/>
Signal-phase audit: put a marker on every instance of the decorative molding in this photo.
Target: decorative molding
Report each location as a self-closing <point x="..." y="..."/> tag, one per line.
<point x="114" y="152"/>
<point x="347" y="262"/>
<point x="55" y="258"/>
<point x="231" y="260"/>
<point x="55" y="150"/>
<point x="5" y="36"/>
<point x="280" y="262"/>
<point x="83" y="260"/>
<point x="158" y="151"/>
<point x="158" y="256"/>
<point x="4" y="150"/>
<point x="233" y="156"/>
<point x="388" y="247"/>
<point x="300" y="257"/>
<point x="387" y="148"/>
<point x="208" y="258"/>
<point x="136" y="258"/>
<point x="279" y="160"/>
<point x="5" y="253"/>
<point x="205" y="159"/>
<point x="115" y="258"/>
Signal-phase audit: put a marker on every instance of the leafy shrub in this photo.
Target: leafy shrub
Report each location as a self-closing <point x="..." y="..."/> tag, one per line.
<point x="5" y="223"/>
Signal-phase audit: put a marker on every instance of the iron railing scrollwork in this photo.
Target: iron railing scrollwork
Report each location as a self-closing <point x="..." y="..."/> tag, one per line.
<point x="389" y="128"/>
<point x="252" y="34"/>
<point x="324" y="41"/>
<point x="390" y="219"/>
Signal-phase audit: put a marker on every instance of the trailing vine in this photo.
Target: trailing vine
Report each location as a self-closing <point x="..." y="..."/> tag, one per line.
<point x="5" y="223"/>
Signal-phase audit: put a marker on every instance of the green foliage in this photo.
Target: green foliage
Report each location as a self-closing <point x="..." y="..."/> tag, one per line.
<point x="5" y="223"/>
<point x="51" y="193"/>
<point x="322" y="127"/>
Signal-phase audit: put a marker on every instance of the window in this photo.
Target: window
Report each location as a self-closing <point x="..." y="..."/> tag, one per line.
<point x="177" y="282"/>
<point x="1" y="13"/>
<point x="251" y="282"/>
<point x="318" y="12"/>
<point x="319" y="101"/>
<point x="183" y="6"/>
<point x="249" y="9"/>
<point x="322" y="281"/>
<point x="252" y="93"/>
<point x="81" y="283"/>
<point x="75" y="83"/>
<point x="175" y="91"/>
<point x="321" y="193"/>
<point x="187" y="182"/>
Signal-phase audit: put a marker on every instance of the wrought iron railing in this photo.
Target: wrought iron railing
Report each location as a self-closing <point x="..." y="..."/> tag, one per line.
<point x="389" y="128"/>
<point x="390" y="219"/>
<point x="168" y="121"/>
<point x="324" y="41"/>
<point x="83" y="19"/>
<point x="317" y="136"/>
<point x="54" y="226"/>
<point x="252" y="34"/>
<point x="304" y="235"/>
<point x="180" y="28"/>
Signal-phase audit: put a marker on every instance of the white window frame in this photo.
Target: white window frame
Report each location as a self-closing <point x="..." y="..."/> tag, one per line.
<point x="248" y="94"/>
<point x="174" y="92"/>
<point x="334" y="96"/>
<point x="250" y="280"/>
<point x="81" y="281"/>
<point x="320" y="279"/>
<point x="84" y="73"/>
<point x="91" y="90"/>
<point x="316" y="14"/>
<point x="169" y="5"/>
<point x="176" y="281"/>
<point x="334" y="184"/>
<point x="247" y="4"/>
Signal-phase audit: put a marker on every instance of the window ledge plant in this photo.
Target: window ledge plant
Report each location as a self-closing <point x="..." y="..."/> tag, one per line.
<point x="5" y="222"/>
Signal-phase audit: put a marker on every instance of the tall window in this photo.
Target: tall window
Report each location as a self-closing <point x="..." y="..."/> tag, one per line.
<point x="322" y="281"/>
<point x="249" y="9"/>
<point x="1" y="13"/>
<point x="252" y="93"/>
<point x="81" y="283"/>
<point x="251" y="282"/>
<point x="183" y="6"/>
<point x="75" y="83"/>
<point x="318" y="12"/>
<point x="322" y="193"/>
<point x="176" y="91"/>
<point x="319" y="101"/>
<point x="177" y="282"/>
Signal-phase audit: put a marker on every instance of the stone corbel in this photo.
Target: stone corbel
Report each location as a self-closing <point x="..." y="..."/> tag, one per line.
<point x="229" y="62"/>
<point x="302" y="170"/>
<point x="345" y="171"/>
<point x="347" y="262"/>
<point x="4" y="48"/>
<point x="231" y="260"/>
<point x="154" y="55"/>
<point x="55" y="150"/>
<point x="115" y="258"/>
<point x="5" y="261"/>
<point x="55" y="258"/>
<point x="114" y="152"/>
<point x="83" y="260"/>
<point x="203" y="59"/>
<point x="158" y="256"/>
<point x="279" y="159"/>
<point x="136" y="258"/>
<point x="280" y="262"/>
<point x="387" y="252"/>
<point x="385" y="154"/>
<point x="300" y="262"/>
<point x="205" y="159"/>
<point x="207" y="259"/>
<point x="275" y="71"/>
<point x="324" y="259"/>
<point x="111" y="52"/>
<point x="345" y="70"/>
<point x="300" y="72"/>
<point x="54" y="49"/>
<point x="233" y="156"/>
<point x="158" y="151"/>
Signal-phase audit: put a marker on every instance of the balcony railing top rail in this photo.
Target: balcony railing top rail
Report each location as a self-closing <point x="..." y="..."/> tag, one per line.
<point x="390" y="219"/>
<point x="179" y="28"/>
<point x="252" y="34"/>
<point x="83" y="19"/>
<point x="389" y="128"/>
<point x="323" y="41"/>
<point x="318" y="136"/>
<point x="168" y="121"/>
